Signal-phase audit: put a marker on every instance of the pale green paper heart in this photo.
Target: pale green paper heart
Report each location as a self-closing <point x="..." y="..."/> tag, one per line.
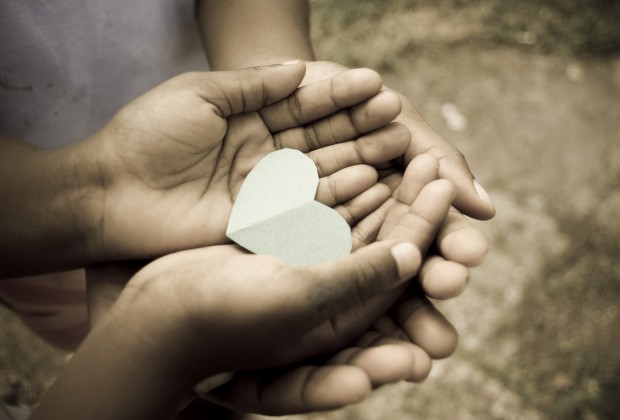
<point x="275" y="213"/>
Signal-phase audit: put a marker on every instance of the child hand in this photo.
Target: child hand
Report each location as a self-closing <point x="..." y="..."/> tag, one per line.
<point x="424" y="139"/>
<point x="459" y="244"/>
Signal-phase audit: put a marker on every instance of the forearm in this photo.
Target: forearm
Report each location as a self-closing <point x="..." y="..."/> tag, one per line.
<point x="45" y="216"/>
<point x="245" y="33"/>
<point x="116" y="374"/>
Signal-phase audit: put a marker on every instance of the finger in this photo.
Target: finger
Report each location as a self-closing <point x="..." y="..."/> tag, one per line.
<point x="426" y="327"/>
<point x="355" y="280"/>
<point x="387" y="359"/>
<point x="233" y="92"/>
<point x="345" y="184"/>
<point x="459" y="241"/>
<point x="366" y="231"/>
<point x="322" y="98"/>
<point x="378" y="224"/>
<point x="471" y="198"/>
<point x="374" y="148"/>
<point x="212" y="382"/>
<point x="442" y="279"/>
<point x="420" y="224"/>
<point x="423" y="365"/>
<point x="344" y="125"/>
<point x="299" y="390"/>
<point x="363" y="204"/>
<point x="385" y="326"/>
<point x="420" y="172"/>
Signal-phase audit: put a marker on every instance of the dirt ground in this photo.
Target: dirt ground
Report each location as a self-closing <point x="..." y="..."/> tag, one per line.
<point x="541" y="130"/>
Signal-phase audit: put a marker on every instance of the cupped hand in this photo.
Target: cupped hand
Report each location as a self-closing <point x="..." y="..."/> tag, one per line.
<point x="172" y="162"/>
<point x="459" y="244"/>
<point x="393" y="348"/>
<point x="397" y="346"/>
<point x="470" y="198"/>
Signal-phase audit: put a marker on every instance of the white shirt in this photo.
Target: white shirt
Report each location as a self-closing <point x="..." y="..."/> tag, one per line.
<point x="67" y="66"/>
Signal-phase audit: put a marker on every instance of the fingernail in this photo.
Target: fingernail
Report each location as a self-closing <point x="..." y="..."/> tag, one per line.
<point x="288" y="63"/>
<point x="484" y="196"/>
<point x="408" y="259"/>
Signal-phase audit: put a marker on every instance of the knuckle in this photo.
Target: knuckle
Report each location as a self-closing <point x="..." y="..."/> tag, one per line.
<point x="332" y="92"/>
<point x="311" y="137"/>
<point x="295" y="109"/>
<point x="368" y="280"/>
<point x="349" y="211"/>
<point x="333" y="188"/>
<point x="317" y="163"/>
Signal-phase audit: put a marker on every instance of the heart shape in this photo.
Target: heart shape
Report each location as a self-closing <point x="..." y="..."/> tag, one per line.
<point x="275" y="213"/>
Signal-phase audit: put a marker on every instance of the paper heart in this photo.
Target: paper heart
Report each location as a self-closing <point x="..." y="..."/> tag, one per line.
<point x="275" y="213"/>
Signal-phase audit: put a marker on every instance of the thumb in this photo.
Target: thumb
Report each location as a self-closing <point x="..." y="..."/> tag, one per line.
<point x="361" y="276"/>
<point x="234" y="92"/>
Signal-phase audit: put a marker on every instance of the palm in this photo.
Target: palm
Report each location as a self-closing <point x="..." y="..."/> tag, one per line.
<point x="273" y="346"/>
<point x="282" y="321"/>
<point x="186" y="188"/>
<point x="180" y="157"/>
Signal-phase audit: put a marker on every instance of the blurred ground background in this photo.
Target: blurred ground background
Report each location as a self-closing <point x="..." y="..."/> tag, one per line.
<point x="529" y="91"/>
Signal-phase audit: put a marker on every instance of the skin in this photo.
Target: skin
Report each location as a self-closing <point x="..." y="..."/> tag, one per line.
<point x="104" y="196"/>
<point x="179" y="314"/>
<point x="242" y="33"/>
<point x="238" y="34"/>
<point x="291" y="41"/>
<point x="387" y="349"/>
<point x="393" y="348"/>
<point x="274" y="37"/>
<point x="105" y="366"/>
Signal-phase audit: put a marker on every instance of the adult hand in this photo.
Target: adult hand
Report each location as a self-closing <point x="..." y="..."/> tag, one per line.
<point x="398" y="346"/>
<point x="172" y="161"/>
<point x="204" y="311"/>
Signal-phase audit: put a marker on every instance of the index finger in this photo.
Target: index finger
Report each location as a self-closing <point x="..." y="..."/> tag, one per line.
<point x="322" y="98"/>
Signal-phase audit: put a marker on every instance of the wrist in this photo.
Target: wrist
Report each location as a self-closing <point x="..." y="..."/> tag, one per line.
<point x="46" y="210"/>
<point x="120" y="371"/>
<point x="84" y="198"/>
<point x="240" y="34"/>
